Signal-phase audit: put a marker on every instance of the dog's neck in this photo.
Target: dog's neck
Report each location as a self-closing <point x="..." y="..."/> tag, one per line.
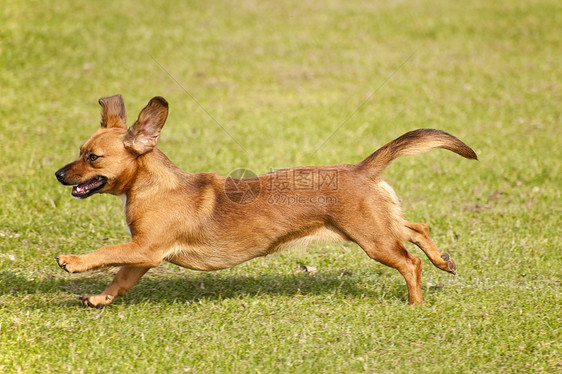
<point x="154" y="173"/>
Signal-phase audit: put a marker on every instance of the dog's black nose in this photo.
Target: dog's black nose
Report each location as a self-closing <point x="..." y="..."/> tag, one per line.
<point x="60" y="174"/>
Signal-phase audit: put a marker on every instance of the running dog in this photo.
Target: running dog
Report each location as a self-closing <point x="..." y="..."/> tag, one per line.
<point x="204" y="221"/>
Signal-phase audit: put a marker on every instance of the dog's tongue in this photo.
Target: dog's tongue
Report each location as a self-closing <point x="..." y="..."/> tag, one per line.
<point x="86" y="187"/>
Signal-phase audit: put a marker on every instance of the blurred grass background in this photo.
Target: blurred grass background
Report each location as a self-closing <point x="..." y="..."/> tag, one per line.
<point x="280" y="84"/>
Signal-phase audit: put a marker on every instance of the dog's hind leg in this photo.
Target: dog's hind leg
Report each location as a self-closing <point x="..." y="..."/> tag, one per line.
<point x="124" y="280"/>
<point x="377" y="226"/>
<point x="418" y="233"/>
<point x="394" y="255"/>
<point x="378" y="241"/>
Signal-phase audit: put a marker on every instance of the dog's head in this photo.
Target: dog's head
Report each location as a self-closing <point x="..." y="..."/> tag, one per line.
<point x="108" y="160"/>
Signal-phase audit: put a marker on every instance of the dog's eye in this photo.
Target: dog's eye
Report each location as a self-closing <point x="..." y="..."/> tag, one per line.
<point x="92" y="157"/>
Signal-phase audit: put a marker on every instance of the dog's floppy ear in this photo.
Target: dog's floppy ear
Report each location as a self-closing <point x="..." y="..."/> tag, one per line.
<point x="143" y="135"/>
<point x="113" y="112"/>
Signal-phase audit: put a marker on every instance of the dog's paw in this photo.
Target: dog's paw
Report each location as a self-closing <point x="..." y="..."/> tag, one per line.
<point x="96" y="301"/>
<point x="70" y="263"/>
<point x="451" y="266"/>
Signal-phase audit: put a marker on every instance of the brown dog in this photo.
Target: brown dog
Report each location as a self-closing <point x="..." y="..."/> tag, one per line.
<point x="206" y="222"/>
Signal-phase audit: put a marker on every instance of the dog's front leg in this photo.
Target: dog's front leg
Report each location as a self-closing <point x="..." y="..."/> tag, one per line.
<point x="130" y="254"/>
<point x="124" y="280"/>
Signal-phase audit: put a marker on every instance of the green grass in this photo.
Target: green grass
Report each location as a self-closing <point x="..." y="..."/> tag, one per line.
<point x="281" y="80"/>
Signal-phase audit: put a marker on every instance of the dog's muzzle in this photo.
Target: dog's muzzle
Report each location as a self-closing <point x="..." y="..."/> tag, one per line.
<point x="84" y="189"/>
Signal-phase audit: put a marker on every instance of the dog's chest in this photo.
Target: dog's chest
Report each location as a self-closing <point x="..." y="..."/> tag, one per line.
<point x="124" y="200"/>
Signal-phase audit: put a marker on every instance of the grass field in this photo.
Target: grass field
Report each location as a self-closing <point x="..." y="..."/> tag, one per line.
<point x="267" y="85"/>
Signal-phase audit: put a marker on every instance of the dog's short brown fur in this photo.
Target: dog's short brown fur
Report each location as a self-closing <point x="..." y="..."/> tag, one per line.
<point x="203" y="221"/>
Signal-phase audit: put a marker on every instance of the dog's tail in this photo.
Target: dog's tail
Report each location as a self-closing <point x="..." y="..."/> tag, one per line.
<point x="413" y="142"/>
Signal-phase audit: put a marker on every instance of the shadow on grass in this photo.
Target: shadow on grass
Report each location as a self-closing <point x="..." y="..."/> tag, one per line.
<point x="208" y="286"/>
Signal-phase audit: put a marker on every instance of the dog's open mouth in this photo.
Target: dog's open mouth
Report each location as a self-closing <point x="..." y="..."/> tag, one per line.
<point x="88" y="188"/>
